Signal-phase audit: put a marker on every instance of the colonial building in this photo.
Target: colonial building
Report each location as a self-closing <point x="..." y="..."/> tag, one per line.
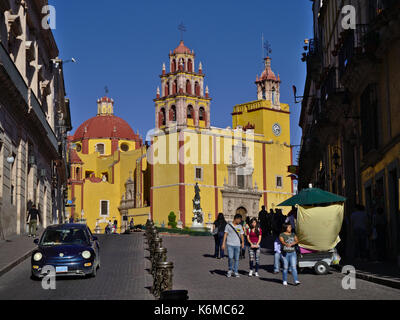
<point x="350" y="111"/>
<point x="237" y="170"/>
<point x="108" y="171"/>
<point x="34" y="118"/>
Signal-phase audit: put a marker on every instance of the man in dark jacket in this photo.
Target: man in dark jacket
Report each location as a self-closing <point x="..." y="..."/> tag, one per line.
<point x="263" y="220"/>
<point x="33" y="218"/>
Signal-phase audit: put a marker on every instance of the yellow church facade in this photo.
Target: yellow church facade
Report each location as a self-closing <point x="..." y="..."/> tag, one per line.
<point x="238" y="170"/>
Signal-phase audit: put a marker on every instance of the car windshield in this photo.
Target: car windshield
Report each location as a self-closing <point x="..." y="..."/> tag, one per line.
<point x="54" y="237"/>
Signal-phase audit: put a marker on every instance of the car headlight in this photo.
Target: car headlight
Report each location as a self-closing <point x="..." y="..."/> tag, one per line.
<point x="86" y="254"/>
<point x="38" y="256"/>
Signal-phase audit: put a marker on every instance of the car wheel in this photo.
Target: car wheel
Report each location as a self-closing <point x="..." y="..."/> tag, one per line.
<point x="321" y="268"/>
<point x="34" y="278"/>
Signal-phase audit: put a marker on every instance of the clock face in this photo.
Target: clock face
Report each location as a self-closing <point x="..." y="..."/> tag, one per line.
<point x="277" y="129"/>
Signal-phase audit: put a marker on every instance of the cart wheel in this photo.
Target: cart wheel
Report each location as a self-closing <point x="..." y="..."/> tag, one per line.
<point x="321" y="268"/>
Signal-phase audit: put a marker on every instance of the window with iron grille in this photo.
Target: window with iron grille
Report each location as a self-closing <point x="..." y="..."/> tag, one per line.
<point x="104" y="205"/>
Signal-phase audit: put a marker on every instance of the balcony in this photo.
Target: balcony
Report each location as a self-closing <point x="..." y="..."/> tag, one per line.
<point x="357" y="55"/>
<point x="11" y="78"/>
<point x="314" y="59"/>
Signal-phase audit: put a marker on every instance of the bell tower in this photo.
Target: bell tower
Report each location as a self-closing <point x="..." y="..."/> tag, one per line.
<point x="183" y="101"/>
<point x="268" y="85"/>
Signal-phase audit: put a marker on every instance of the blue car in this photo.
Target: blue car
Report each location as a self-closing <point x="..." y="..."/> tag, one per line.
<point x="70" y="248"/>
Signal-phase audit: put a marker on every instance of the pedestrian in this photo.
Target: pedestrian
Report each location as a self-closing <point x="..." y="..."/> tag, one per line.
<point x="219" y="231"/>
<point x="359" y="224"/>
<point x="246" y="227"/>
<point x="277" y="255"/>
<point x="292" y="218"/>
<point x="263" y="220"/>
<point x="289" y="256"/>
<point x="131" y="225"/>
<point x="234" y="242"/>
<point x="254" y="236"/>
<point x="33" y="218"/>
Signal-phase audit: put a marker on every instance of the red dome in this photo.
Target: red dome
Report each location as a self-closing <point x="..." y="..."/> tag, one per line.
<point x="182" y="49"/>
<point x="105" y="126"/>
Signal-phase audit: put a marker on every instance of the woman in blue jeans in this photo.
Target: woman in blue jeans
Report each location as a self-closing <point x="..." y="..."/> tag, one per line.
<point x="288" y="252"/>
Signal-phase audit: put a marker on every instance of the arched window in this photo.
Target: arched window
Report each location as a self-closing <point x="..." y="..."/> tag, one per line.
<point x="197" y="89"/>
<point x="202" y="114"/>
<point x="182" y="64"/>
<point x="273" y="95"/>
<point x="175" y="87"/>
<point x="188" y="87"/>
<point x="264" y="94"/>
<point x="167" y="89"/>
<point x="172" y="114"/>
<point x="190" y="65"/>
<point x="78" y="174"/>
<point x="161" y="119"/>
<point x="100" y="148"/>
<point x="190" y="112"/>
<point x="173" y="67"/>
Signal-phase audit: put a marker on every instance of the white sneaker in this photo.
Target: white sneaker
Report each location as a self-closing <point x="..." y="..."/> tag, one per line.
<point x="257" y="275"/>
<point x="229" y="274"/>
<point x="298" y="283"/>
<point x="285" y="283"/>
<point x="251" y="273"/>
<point x="237" y="275"/>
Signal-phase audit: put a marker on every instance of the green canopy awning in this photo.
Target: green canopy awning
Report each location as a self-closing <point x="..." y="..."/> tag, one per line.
<point x="312" y="196"/>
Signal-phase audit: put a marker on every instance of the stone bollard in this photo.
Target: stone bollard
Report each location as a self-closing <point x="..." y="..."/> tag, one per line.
<point x="160" y="255"/>
<point x="163" y="279"/>
<point x="156" y="243"/>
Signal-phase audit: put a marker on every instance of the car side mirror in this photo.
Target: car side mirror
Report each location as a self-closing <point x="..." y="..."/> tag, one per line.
<point x="95" y="238"/>
<point x="36" y="241"/>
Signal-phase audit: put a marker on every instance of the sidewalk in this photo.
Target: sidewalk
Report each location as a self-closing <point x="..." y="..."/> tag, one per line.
<point x="14" y="250"/>
<point x="384" y="273"/>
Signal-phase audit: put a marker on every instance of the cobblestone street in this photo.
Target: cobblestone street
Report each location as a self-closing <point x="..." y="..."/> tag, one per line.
<point x="122" y="276"/>
<point x="205" y="277"/>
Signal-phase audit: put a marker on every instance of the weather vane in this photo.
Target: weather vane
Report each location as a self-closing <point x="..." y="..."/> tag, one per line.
<point x="182" y="29"/>
<point x="267" y="47"/>
<point x="106" y="90"/>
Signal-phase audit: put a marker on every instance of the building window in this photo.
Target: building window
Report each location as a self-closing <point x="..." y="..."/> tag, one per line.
<point x="104" y="207"/>
<point x="172" y="114"/>
<point x="125" y="147"/>
<point x="78" y="148"/>
<point x="190" y="112"/>
<point x="199" y="174"/>
<point x="88" y="174"/>
<point x="202" y="114"/>
<point x="369" y="119"/>
<point x="279" y="182"/>
<point x="100" y="148"/>
<point x="240" y="181"/>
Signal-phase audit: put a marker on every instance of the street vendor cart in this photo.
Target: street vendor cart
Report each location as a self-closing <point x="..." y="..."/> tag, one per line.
<point x="319" y="221"/>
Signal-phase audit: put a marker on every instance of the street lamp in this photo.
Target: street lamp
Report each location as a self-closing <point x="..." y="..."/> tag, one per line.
<point x="10" y="159"/>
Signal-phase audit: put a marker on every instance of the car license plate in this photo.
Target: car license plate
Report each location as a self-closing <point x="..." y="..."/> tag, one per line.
<point x="61" y="269"/>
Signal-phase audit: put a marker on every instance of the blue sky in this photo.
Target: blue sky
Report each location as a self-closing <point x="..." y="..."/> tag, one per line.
<point x="122" y="44"/>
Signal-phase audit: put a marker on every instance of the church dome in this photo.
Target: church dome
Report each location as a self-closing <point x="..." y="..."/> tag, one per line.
<point x="181" y="49"/>
<point x="105" y="127"/>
